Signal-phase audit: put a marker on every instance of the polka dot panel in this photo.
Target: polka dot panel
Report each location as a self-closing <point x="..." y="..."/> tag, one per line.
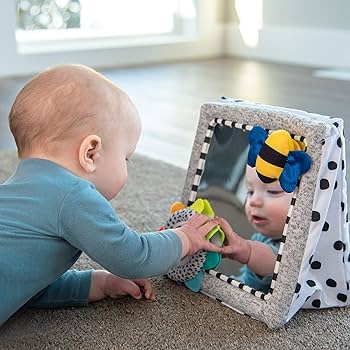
<point x="322" y="279"/>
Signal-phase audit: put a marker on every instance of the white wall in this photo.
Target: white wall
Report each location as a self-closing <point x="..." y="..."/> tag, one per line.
<point x="209" y="43"/>
<point x="323" y="14"/>
<point x="312" y="32"/>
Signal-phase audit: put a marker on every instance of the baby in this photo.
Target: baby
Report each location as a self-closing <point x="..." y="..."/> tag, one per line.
<point x="266" y="209"/>
<point x="75" y="131"/>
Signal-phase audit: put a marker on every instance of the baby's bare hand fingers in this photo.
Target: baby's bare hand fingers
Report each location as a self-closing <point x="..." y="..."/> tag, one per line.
<point x="226" y="227"/>
<point x="212" y="247"/>
<point x="197" y="220"/>
<point x="230" y="235"/>
<point x="147" y="287"/>
<point x="150" y="295"/>
<point x="144" y="283"/>
<point x="207" y="227"/>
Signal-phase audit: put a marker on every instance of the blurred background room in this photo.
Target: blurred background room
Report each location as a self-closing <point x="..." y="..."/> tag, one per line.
<point x="171" y="56"/>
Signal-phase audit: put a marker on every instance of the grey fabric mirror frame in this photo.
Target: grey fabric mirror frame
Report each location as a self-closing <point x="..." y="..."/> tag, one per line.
<point x="271" y="308"/>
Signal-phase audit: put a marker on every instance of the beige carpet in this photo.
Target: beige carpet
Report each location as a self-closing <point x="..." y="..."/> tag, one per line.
<point x="179" y="319"/>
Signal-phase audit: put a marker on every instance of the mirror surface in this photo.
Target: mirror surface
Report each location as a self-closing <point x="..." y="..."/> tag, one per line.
<point x="224" y="184"/>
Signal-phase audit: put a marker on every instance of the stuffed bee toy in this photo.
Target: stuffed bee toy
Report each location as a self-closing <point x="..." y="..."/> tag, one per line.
<point x="191" y="269"/>
<point x="277" y="157"/>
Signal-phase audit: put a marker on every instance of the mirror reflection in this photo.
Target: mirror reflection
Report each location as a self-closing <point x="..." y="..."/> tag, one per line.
<point x="255" y="211"/>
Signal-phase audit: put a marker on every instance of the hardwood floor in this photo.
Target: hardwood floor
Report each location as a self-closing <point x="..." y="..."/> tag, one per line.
<point x="169" y="97"/>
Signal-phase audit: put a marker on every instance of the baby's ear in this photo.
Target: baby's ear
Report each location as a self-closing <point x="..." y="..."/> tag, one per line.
<point x="89" y="152"/>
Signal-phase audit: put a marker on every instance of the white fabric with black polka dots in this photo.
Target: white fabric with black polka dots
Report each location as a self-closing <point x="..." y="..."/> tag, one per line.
<point x="325" y="272"/>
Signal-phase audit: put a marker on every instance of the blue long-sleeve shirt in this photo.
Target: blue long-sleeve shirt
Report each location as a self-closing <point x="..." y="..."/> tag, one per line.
<point x="48" y="216"/>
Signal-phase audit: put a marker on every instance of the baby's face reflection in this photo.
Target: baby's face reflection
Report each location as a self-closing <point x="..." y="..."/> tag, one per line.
<point x="266" y="205"/>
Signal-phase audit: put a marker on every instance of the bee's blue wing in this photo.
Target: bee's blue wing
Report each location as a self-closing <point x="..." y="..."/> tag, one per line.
<point x="298" y="163"/>
<point x="257" y="137"/>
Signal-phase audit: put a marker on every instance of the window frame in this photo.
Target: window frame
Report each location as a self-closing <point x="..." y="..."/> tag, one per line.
<point x="207" y="43"/>
<point x="76" y="39"/>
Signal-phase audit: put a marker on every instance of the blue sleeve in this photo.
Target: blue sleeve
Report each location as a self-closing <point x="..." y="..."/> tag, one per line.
<point x="248" y="277"/>
<point x="274" y="244"/>
<point x="70" y="289"/>
<point x="88" y="222"/>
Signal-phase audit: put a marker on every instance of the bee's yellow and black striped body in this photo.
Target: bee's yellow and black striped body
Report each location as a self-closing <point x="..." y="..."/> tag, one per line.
<point x="277" y="157"/>
<point x="273" y="155"/>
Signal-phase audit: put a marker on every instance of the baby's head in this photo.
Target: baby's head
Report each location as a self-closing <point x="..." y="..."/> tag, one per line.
<point x="72" y="115"/>
<point x="266" y="205"/>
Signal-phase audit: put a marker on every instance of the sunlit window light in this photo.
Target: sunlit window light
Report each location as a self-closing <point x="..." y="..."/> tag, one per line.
<point x="250" y="14"/>
<point x="115" y="16"/>
<point x="50" y="25"/>
<point x="186" y="9"/>
<point x="110" y="17"/>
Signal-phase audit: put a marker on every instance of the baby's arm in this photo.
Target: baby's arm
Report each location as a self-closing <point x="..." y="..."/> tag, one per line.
<point x="77" y="288"/>
<point x="262" y="259"/>
<point x="192" y="235"/>
<point x="89" y="223"/>
<point x="258" y="256"/>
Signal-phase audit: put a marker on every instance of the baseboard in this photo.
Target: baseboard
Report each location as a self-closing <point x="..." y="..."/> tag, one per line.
<point x="303" y="46"/>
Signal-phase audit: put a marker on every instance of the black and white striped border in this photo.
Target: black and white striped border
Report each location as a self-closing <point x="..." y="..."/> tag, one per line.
<point x="193" y="196"/>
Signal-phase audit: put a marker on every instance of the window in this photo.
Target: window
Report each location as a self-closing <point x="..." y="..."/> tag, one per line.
<point x="48" y="25"/>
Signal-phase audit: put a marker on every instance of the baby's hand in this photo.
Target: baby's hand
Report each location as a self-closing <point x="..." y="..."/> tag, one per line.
<point x="192" y="234"/>
<point x="235" y="247"/>
<point x="119" y="287"/>
<point x="104" y="284"/>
